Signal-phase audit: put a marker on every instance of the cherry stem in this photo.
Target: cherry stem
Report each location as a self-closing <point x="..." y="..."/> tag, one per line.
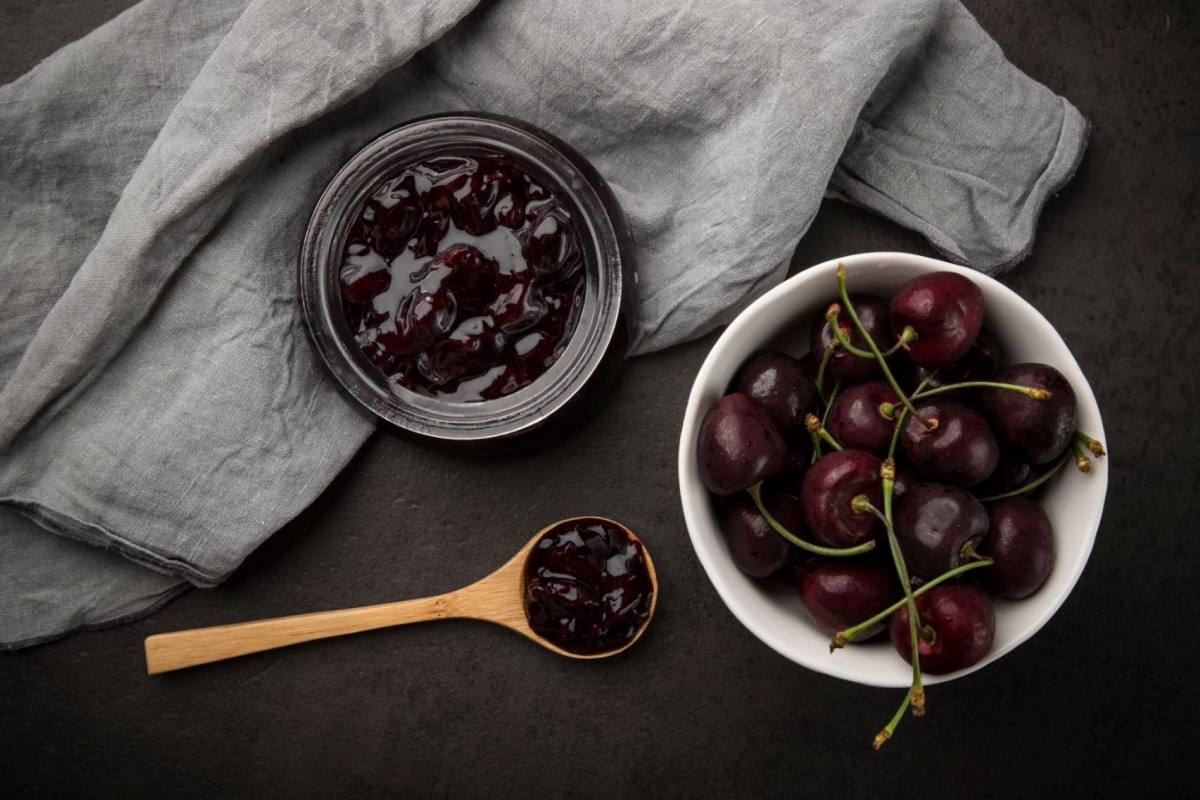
<point x="909" y="334"/>
<point x="896" y="433"/>
<point x="756" y="495"/>
<point x="842" y="638"/>
<point x="1095" y="445"/>
<point x="887" y="373"/>
<point x="817" y="429"/>
<point x="821" y="373"/>
<point x="1036" y="482"/>
<point x="1029" y="391"/>
<point x="888" y="472"/>
<point x="887" y="732"/>
<point x="831" y="318"/>
<point x="1081" y="461"/>
<point x="837" y="387"/>
<point x="816" y="440"/>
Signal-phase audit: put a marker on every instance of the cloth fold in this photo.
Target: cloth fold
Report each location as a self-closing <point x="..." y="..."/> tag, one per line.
<point x="157" y="400"/>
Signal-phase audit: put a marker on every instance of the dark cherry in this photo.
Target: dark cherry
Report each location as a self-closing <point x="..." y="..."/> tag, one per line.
<point x="792" y="573"/>
<point x="587" y="586"/>
<point x="826" y="494"/>
<point x="843" y="365"/>
<point x="756" y="548"/>
<point x="854" y="419"/>
<point x="946" y="311"/>
<point x="1035" y="431"/>
<point x="979" y="364"/>
<point x="963" y="623"/>
<point x="1020" y="541"/>
<point x="934" y="524"/>
<point x="809" y="366"/>
<point x="777" y="383"/>
<point x="960" y="448"/>
<point x="738" y="445"/>
<point x="1008" y="476"/>
<point x="839" y="593"/>
<point x="794" y="466"/>
<point x="905" y="478"/>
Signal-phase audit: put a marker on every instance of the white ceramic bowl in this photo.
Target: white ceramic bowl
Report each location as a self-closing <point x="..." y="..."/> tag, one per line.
<point x="780" y="320"/>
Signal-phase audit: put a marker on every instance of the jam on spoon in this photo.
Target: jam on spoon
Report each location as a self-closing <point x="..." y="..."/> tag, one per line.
<point x="463" y="276"/>
<point x="589" y="588"/>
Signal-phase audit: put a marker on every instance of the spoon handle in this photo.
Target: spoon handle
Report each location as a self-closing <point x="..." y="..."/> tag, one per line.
<point x="180" y="649"/>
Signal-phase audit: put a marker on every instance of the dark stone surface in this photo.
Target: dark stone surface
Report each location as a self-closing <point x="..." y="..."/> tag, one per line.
<point x="1100" y="703"/>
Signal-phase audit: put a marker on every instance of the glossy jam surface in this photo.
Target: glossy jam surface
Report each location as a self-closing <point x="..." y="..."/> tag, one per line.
<point x="587" y="586"/>
<point x="462" y="276"/>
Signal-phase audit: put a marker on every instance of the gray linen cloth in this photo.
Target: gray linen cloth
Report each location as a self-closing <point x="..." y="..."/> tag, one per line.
<point x="161" y="413"/>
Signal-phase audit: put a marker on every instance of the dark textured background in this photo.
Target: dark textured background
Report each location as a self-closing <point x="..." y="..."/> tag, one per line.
<point x="1100" y="703"/>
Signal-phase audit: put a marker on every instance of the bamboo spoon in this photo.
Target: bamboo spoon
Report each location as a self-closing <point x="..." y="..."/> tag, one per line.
<point x="498" y="598"/>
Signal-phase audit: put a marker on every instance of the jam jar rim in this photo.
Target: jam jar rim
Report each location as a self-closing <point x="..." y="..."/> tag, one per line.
<point x="600" y="226"/>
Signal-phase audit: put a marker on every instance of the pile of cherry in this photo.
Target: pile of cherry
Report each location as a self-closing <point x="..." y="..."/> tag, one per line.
<point x="889" y="474"/>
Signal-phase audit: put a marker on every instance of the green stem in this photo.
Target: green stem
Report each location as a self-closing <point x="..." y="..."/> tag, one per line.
<point x="1036" y="482"/>
<point x="821" y="373"/>
<point x="817" y="429"/>
<point x="816" y="439"/>
<point x="837" y="386"/>
<point x="1029" y="391"/>
<point x="888" y="472"/>
<point x="909" y="334"/>
<point x="887" y="373"/>
<point x="842" y="638"/>
<point x="831" y="319"/>
<point x="887" y="732"/>
<point x="1081" y="460"/>
<point x="896" y="432"/>
<point x="756" y="495"/>
<point x="1095" y="445"/>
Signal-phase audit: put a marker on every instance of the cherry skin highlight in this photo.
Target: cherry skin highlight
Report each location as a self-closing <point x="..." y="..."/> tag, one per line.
<point x="755" y="547"/>
<point x="934" y="524"/>
<point x="963" y="622"/>
<point x="946" y="311"/>
<point x="777" y="382"/>
<point x="1020" y="540"/>
<point x="960" y="449"/>
<point x="828" y="491"/>
<point x="738" y="445"/>
<point x="839" y="593"/>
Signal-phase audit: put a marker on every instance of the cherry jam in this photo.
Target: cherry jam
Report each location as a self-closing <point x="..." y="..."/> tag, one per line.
<point x="462" y="276"/>
<point x="587" y="586"/>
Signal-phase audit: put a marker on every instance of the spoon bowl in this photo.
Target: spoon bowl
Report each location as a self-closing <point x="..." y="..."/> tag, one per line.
<point x="497" y="598"/>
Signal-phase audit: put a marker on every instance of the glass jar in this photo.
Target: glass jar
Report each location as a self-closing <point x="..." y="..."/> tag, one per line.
<point x="594" y="346"/>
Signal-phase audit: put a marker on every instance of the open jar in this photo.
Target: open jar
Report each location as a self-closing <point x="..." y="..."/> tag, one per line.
<point x="468" y="279"/>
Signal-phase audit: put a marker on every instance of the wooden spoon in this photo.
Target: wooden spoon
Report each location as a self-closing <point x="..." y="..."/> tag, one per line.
<point x="498" y="598"/>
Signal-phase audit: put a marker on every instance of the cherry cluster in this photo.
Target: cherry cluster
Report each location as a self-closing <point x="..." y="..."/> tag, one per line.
<point x="890" y="474"/>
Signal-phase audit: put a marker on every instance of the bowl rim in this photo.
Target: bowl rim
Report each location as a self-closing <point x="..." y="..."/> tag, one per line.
<point x="694" y="496"/>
